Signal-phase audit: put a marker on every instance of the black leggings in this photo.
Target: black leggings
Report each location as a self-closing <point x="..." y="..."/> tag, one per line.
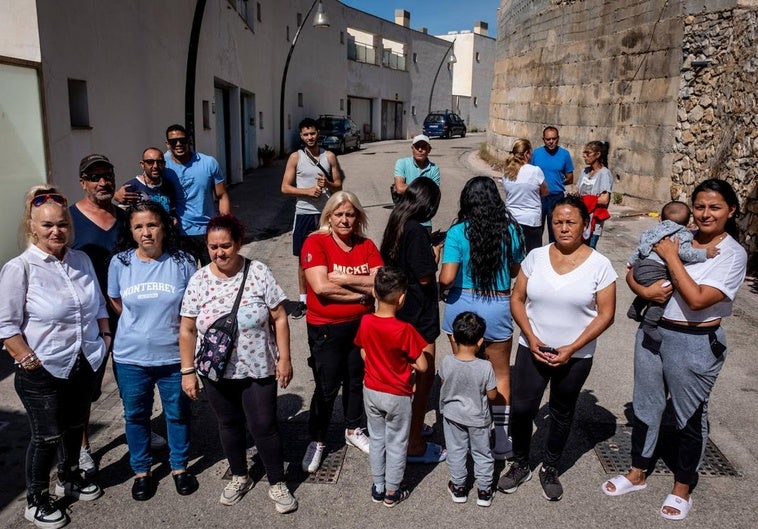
<point x="336" y="362"/>
<point x="528" y="383"/>
<point x="251" y="402"/>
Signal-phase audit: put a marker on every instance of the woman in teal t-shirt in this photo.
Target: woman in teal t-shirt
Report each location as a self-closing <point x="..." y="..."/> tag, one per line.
<point x="482" y="253"/>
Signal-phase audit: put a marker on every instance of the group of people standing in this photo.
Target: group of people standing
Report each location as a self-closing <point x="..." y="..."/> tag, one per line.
<point x="372" y="317"/>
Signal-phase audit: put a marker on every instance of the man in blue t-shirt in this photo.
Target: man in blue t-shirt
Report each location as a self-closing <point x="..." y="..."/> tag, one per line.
<point x="198" y="180"/>
<point x="412" y="167"/>
<point x="556" y="163"/>
<point x="150" y="185"/>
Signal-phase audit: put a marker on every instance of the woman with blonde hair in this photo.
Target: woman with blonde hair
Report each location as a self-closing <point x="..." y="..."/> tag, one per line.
<point x="524" y="184"/>
<point x="57" y="347"/>
<point x="339" y="262"/>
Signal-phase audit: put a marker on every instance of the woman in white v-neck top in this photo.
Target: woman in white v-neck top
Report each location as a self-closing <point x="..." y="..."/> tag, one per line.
<point x="563" y="299"/>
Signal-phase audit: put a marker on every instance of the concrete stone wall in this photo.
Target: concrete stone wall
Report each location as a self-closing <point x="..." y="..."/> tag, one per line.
<point x="717" y="124"/>
<point x="623" y="72"/>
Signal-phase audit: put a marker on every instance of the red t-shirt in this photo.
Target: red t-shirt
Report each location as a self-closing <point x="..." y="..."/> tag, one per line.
<point x="391" y="346"/>
<point x="320" y="249"/>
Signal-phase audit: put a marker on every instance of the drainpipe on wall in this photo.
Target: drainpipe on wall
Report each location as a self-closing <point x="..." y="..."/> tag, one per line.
<point x="189" y="86"/>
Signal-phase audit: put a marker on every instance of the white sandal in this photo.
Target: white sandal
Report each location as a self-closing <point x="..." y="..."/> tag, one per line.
<point x="675" y="502"/>
<point x="622" y="486"/>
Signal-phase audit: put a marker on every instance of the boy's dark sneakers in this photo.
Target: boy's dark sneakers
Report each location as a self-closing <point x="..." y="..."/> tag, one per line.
<point x="401" y="494"/>
<point x="516" y="475"/>
<point x="376" y="496"/>
<point x="551" y="487"/>
<point x="484" y="497"/>
<point x="457" y="493"/>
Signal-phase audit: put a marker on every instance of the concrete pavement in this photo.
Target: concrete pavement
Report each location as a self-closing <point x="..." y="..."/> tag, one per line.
<point x="718" y="501"/>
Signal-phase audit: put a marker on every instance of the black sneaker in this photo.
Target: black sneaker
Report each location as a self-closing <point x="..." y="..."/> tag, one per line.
<point x="457" y="493"/>
<point x="516" y="475"/>
<point x="401" y="494"/>
<point x="484" y="497"/>
<point x="376" y="496"/>
<point x="299" y="310"/>
<point x="42" y="512"/>
<point x="551" y="487"/>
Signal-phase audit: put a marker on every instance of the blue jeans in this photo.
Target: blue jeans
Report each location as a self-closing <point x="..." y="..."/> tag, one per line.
<point x="137" y="384"/>
<point x="56" y="409"/>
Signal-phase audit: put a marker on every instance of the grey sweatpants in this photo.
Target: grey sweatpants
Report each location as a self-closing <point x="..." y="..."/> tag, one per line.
<point x="389" y="421"/>
<point x="687" y="363"/>
<point x="458" y="438"/>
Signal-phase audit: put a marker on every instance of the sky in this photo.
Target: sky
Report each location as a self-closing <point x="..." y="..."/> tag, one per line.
<point x="439" y="16"/>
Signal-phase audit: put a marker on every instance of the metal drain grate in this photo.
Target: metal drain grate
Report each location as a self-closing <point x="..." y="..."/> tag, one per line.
<point x="615" y="456"/>
<point x="295" y="440"/>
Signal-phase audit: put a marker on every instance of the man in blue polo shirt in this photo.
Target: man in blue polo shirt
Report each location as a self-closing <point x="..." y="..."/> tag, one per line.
<point x="412" y="167"/>
<point x="198" y="180"/>
<point x="556" y="163"/>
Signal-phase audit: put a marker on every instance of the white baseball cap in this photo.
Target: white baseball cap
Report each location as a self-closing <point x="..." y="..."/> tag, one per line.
<point x="420" y="137"/>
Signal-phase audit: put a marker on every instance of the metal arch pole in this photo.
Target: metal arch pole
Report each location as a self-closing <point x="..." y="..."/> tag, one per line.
<point x="431" y="92"/>
<point x="284" y="79"/>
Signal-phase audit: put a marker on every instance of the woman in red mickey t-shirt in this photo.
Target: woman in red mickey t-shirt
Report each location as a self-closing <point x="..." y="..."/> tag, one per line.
<point x="339" y="264"/>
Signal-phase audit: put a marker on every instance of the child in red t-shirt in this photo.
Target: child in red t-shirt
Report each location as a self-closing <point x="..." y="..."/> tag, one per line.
<point x="391" y="349"/>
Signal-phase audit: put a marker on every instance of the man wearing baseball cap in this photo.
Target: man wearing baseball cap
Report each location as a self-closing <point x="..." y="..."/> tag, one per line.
<point x="410" y="168"/>
<point x="96" y="226"/>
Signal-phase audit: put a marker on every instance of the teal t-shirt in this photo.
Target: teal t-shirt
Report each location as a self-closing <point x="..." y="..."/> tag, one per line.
<point x="151" y="293"/>
<point x="457" y="249"/>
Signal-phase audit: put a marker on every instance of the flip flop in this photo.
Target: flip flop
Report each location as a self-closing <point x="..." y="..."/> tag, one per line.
<point x="434" y="454"/>
<point x="427" y="431"/>
<point x="623" y="486"/>
<point x="676" y="502"/>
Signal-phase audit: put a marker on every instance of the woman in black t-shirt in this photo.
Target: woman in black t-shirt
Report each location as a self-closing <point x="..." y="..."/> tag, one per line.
<point x="408" y="245"/>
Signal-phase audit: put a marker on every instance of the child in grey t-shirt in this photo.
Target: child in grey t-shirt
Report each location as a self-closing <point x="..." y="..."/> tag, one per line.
<point x="648" y="267"/>
<point x="468" y="383"/>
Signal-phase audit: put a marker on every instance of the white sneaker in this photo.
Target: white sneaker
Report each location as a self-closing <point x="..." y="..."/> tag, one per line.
<point x="79" y="488"/>
<point x="157" y="441"/>
<point x="284" y="501"/>
<point x="86" y="463"/>
<point x="358" y="439"/>
<point x="237" y="487"/>
<point x="313" y="456"/>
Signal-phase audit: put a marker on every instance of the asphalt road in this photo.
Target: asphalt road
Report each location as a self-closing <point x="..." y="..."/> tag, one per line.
<point x="718" y="502"/>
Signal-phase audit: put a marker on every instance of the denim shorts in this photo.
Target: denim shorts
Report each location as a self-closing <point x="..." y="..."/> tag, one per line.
<point x="496" y="312"/>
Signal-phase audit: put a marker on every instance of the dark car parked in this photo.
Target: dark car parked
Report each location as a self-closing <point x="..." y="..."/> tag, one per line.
<point x="444" y="124"/>
<point x="338" y="133"/>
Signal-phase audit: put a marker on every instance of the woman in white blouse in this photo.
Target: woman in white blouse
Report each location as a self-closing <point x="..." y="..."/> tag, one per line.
<point x="564" y="298"/>
<point x="57" y="346"/>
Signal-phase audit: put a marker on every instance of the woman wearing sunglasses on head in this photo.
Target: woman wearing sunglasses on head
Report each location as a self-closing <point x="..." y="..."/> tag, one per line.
<point x="57" y="347"/>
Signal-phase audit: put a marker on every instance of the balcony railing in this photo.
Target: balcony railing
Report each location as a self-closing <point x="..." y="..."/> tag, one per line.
<point x="393" y="60"/>
<point x="361" y="53"/>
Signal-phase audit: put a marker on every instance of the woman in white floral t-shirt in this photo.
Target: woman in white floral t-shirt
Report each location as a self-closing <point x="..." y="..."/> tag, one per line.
<point x="245" y="395"/>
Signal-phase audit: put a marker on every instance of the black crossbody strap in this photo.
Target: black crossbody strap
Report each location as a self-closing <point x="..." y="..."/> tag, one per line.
<point x="327" y="174"/>
<point x="242" y="287"/>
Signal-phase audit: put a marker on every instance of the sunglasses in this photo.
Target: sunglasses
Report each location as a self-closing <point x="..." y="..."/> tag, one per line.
<point x="176" y="141"/>
<point x="153" y="162"/>
<point x="55" y="197"/>
<point x="96" y="177"/>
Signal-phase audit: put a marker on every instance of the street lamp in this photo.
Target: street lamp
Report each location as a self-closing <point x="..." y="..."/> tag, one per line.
<point x="451" y="60"/>
<point x="320" y="21"/>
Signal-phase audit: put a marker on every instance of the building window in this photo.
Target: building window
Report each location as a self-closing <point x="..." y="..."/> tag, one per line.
<point x="342" y="37"/>
<point x="206" y="114"/>
<point x="476" y="101"/>
<point x="260" y="120"/>
<point x="415" y="58"/>
<point x="288" y="34"/>
<point x="477" y="56"/>
<point x="258" y="11"/>
<point x="413" y="109"/>
<point x="299" y="99"/>
<point x="299" y="19"/>
<point x="342" y="105"/>
<point x="78" y="106"/>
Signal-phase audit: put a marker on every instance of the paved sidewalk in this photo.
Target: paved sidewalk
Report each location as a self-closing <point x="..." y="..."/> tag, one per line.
<point x="718" y="501"/>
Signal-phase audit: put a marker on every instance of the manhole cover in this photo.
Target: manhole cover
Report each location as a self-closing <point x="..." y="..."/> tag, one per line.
<point x="615" y="455"/>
